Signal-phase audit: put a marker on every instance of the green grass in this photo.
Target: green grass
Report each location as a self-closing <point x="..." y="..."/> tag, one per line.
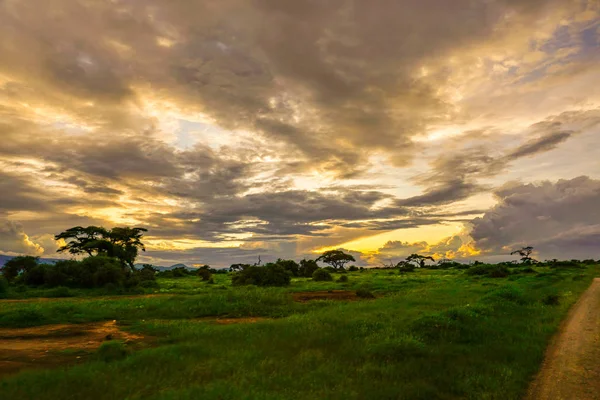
<point x="427" y="335"/>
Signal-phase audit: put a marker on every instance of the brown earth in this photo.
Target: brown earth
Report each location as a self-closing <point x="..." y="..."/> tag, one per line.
<point x="55" y="345"/>
<point x="346" y="295"/>
<point x="571" y="369"/>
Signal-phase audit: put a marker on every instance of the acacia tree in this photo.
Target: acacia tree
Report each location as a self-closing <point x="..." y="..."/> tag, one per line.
<point x="336" y="258"/>
<point x="418" y="259"/>
<point x="128" y="242"/>
<point x="121" y="243"/>
<point x="525" y="254"/>
<point x="80" y="240"/>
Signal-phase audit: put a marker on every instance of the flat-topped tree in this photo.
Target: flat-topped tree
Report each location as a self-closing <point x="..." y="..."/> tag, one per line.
<point x="525" y="254"/>
<point x="418" y="259"/>
<point x="336" y="258"/>
<point x="122" y="243"/>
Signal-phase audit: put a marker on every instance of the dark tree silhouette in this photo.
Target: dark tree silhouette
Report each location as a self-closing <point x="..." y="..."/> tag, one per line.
<point x="525" y="254"/>
<point x="418" y="260"/>
<point x="80" y="240"/>
<point x="336" y="258"/>
<point x="122" y="243"/>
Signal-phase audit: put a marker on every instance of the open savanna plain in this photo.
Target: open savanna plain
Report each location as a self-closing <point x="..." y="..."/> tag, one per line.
<point x="429" y="334"/>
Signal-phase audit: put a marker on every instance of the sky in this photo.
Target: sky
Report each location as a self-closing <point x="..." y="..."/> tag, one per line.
<point x="233" y="129"/>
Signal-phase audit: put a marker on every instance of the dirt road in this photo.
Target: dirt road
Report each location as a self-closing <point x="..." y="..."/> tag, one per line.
<point x="571" y="369"/>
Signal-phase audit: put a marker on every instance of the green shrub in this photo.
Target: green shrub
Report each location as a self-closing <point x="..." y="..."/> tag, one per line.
<point x="406" y="268"/>
<point x="60" y="291"/>
<point x="106" y="270"/>
<point x="112" y="350"/>
<point x="289" y="265"/>
<point x="322" y="275"/>
<point x="307" y="268"/>
<point x="18" y="265"/>
<point x="365" y="294"/>
<point x="204" y="274"/>
<point x="493" y="271"/>
<point x="352" y="268"/>
<point x="551" y="300"/>
<point x="3" y="286"/>
<point x="146" y="273"/>
<point x="268" y="275"/>
<point x="343" y="279"/>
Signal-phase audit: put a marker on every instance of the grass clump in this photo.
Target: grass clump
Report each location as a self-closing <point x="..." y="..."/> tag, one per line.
<point x="112" y="350"/>
<point x="343" y="279"/>
<point x="552" y="299"/>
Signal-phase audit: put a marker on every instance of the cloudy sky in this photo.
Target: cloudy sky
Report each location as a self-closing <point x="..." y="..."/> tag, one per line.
<point x="237" y="128"/>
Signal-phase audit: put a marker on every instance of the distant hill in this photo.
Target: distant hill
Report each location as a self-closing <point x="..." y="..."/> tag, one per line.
<point x="5" y="258"/>
<point x="160" y="268"/>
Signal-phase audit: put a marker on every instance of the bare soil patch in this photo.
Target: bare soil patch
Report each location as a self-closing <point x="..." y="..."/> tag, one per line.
<point x="571" y="369"/>
<point x="55" y="345"/>
<point x="345" y="295"/>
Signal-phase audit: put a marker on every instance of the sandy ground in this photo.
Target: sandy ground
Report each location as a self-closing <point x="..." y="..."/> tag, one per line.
<point x="571" y="369"/>
<point x="54" y="345"/>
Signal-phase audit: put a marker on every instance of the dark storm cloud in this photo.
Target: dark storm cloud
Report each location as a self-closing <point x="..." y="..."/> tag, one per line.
<point x="17" y="193"/>
<point x="561" y="219"/>
<point x="345" y="68"/>
<point x="439" y="195"/>
<point x="288" y="213"/>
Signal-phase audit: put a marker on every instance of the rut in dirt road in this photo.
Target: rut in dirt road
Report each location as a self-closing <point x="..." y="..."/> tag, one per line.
<point x="571" y="369"/>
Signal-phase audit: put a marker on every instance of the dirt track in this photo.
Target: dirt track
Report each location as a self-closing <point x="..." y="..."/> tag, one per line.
<point x="571" y="369"/>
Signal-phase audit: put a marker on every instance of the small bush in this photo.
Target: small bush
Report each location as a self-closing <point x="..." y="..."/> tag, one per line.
<point x="365" y="294"/>
<point x="268" y="275"/>
<point x="204" y="274"/>
<point x="343" y="279"/>
<point x="322" y="275"/>
<point x="406" y="268"/>
<point x="551" y="300"/>
<point x="493" y="271"/>
<point x="112" y="350"/>
<point x="307" y="268"/>
<point x="352" y="268"/>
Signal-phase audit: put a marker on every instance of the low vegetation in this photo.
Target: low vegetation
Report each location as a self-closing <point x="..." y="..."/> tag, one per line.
<point x="413" y="330"/>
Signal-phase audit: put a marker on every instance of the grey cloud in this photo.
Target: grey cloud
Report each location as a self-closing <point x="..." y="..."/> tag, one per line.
<point x="20" y="194"/>
<point x="559" y="219"/>
<point x="347" y="65"/>
<point x="539" y="145"/>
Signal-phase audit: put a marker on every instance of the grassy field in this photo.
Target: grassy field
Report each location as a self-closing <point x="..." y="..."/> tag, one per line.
<point x="431" y="334"/>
